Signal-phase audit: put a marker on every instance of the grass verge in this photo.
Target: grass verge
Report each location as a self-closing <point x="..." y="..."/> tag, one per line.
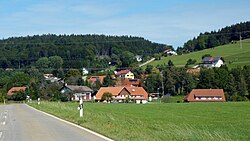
<point x="174" y="121"/>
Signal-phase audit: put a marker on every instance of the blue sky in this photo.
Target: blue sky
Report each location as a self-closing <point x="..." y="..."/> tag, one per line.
<point x="171" y="22"/>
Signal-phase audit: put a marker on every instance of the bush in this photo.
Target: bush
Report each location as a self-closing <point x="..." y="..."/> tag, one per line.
<point x="166" y="99"/>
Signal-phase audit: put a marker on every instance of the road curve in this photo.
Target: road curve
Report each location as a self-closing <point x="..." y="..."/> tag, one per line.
<point x="18" y="122"/>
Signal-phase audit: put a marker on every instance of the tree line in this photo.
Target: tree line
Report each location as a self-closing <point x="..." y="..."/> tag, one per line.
<point x="91" y="51"/>
<point x="229" y="34"/>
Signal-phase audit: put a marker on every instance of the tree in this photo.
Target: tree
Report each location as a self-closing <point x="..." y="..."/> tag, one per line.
<point x="170" y="63"/>
<point x="148" y="69"/>
<point x="42" y="63"/>
<point x="108" y="81"/>
<point x="206" y="79"/>
<point x="190" y="62"/>
<point x="127" y="58"/>
<point x="107" y="96"/>
<point x="138" y="71"/>
<point x="56" y="62"/>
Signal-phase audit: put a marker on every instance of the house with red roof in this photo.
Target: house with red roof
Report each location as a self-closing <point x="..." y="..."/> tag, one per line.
<point x="205" y="95"/>
<point x="121" y="94"/>
<point x="16" y="89"/>
<point x="125" y="74"/>
<point x="212" y="62"/>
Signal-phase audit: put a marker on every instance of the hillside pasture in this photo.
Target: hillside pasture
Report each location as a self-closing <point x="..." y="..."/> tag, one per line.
<point x="232" y="53"/>
<point x="175" y="121"/>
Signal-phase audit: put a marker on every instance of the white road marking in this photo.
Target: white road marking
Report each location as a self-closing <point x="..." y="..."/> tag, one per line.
<point x="1" y="133"/>
<point x="3" y="123"/>
<point x="92" y="132"/>
<point x="4" y="116"/>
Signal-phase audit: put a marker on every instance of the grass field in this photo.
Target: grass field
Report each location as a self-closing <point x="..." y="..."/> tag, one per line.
<point x="174" y="121"/>
<point x="231" y="53"/>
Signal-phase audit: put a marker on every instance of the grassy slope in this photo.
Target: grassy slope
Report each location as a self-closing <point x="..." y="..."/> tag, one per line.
<point x="230" y="52"/>
<point x="176" y="121"/>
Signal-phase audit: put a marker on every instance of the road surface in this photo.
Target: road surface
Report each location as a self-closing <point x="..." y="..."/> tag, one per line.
<point x="18" y="122"/>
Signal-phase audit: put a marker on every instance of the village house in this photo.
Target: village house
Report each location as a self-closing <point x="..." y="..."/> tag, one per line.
<point x="212" y="62"/>
<point x="76" y="91"/>
<point x="138" y="58"/>
<point x="169" y="52"/>
<point x="121" y="94"/>
<point x="127" y="74"/>
<point x="93" y="79"/>
<point x="52" y="78"/>
<point x="16" y="89"/>
<point x="205" y="95"/>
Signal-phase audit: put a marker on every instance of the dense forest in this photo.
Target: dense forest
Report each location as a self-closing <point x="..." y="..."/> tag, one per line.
<point x="76" y="50"/>
<point x="215" y="38"/>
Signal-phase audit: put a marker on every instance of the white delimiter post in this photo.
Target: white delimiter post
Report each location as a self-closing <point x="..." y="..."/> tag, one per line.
<point x="81" y="107"/>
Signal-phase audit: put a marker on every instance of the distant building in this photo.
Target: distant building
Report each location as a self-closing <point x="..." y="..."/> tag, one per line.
<point x="169" y="52"/>
<point x="205" y="95"/>
<point x="125" y="74"/>
<point x="52" y="78"/>
<point x="212" y="62"/>
<point x="120" y="94"/>
<point x="76" y="90"/>
<point x="84" y="71"/>
<point x="138" y="58"/>
<point x="16" y="89"/>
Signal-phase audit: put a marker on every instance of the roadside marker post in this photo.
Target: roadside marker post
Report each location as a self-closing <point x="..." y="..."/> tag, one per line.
<point x="80" y="108"/>
<point x="38" y="101"/>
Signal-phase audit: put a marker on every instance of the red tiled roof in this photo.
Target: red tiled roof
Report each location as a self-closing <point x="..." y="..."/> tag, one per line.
<point x="209" y="94"/>
<point x="115" y="91"/>
<point x="15" y="89"/>
<point x="133" y="82"/>
<point x="122" y="72"/>
<point x="167" y="50"/>
<point x="92" y="79"/>
<point x="194" y="71"/>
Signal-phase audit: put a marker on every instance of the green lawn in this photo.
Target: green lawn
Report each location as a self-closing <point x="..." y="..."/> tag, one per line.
<point x="174" y="121"/>
<point x="231" y="53"/>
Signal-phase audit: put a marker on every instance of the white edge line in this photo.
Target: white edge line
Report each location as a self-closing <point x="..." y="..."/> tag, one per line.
<point x="1" y="133"/>
<point x="92" y="132"/>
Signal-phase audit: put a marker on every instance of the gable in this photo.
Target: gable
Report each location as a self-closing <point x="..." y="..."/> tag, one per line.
<point x="124" y="92"/>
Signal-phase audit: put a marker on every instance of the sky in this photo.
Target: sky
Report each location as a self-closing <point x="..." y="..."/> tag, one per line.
<point x="171" y="22"/>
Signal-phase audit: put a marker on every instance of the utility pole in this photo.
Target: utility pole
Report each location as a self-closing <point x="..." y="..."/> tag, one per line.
<point x="240" y="41"/>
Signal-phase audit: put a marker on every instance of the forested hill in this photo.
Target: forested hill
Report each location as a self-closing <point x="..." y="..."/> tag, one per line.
<point x="76" y="50"/>
<point x="216" y="38"/>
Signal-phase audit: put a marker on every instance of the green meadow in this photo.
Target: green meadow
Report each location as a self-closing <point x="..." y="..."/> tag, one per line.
<point x="229" y="121"/>
<point x="232" y="53"/>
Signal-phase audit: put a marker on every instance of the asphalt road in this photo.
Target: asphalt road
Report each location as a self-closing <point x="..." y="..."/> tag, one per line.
<point x="18" y="122"/>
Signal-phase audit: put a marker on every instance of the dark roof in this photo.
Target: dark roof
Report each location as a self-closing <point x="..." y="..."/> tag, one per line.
<point x="211" y="59"/>
<point x="79" y="88"/>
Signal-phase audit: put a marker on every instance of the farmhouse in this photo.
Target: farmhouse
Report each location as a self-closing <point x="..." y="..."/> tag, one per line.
<point x="169" y="52"/>
<point x="125" y="74"/>
<point x="120" y="94"/>
<point x="84" y="90"/>
<point x="212" y="62"/>
<point x="16" y="89"/>
<point x="205" y="95"/>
